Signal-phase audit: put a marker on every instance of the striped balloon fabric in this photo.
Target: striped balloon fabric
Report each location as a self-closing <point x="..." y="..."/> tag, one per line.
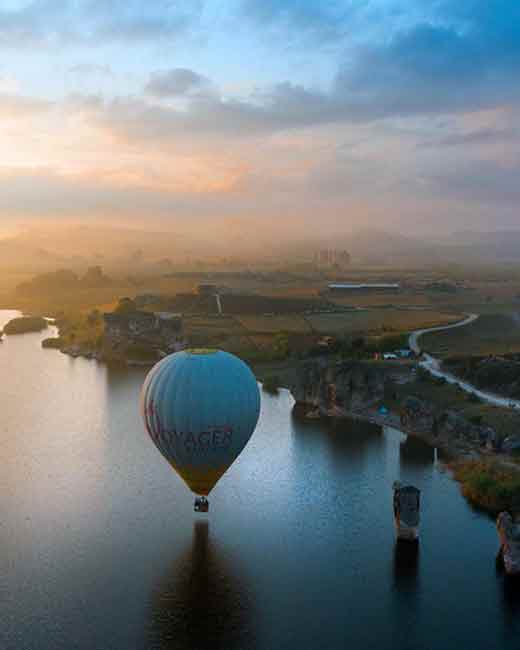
<point x="200" y="407"/>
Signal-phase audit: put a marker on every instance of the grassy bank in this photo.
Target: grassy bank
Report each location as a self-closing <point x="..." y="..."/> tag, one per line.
<point x="489" y="485"/>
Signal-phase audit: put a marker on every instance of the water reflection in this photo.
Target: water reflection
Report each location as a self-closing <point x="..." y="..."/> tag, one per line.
<point x="344" y="438"/>
<point x="406" y="565"/>
<point x="347" y="436"/>
<point x="414" y="452"/>
<point x="511" y="602"/>
<point x="202" y="603"/>
<point x="407" y="601"/>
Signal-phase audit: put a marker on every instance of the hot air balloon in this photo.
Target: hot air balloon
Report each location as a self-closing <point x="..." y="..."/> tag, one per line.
<point x="200" y="407"/>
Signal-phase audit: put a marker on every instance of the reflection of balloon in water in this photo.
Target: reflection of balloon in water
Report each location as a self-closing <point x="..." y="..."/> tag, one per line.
<point x="200" y="408"/>
<point x="202" y="601"/>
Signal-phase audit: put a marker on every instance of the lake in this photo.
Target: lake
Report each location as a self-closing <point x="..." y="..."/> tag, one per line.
<point x="101" y="549"/>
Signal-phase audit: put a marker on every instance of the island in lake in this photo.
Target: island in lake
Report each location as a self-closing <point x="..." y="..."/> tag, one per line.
<point x="25" y="324"/>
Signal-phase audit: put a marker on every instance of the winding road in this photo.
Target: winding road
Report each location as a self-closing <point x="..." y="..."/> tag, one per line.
<point x="433" y="366"/>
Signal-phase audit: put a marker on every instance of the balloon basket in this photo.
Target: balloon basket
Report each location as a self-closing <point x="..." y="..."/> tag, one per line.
<point x="201" y="504"/>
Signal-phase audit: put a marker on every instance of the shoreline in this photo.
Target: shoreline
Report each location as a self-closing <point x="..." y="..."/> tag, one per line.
<point x="392" y="420"/>
<point x="466" y="463"/>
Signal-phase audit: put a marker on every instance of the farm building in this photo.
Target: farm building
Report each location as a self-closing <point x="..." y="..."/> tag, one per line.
<point x="207" y="289"/>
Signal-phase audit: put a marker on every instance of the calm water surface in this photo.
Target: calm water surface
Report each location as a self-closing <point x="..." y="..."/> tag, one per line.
<point x="100" y="548"/>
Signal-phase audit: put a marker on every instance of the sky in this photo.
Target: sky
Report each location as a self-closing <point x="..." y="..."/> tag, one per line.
<point x="337" y="115"/>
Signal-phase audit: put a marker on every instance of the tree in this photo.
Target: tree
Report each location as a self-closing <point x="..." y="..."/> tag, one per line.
<point x="94" y="278"/>
<point x="125" y="306"/>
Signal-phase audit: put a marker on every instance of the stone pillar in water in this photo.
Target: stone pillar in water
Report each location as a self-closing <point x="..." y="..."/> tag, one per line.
<point x="406" y="511"/>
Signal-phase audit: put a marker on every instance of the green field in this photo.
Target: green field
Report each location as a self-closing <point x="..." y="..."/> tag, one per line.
<point x="272" y="324"/>
<point x="377" y="320"/>
<point x="489" y="335"/>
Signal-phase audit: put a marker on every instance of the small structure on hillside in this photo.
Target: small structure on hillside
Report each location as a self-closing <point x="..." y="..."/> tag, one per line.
<point x="407" y="505"/>
<point x="509" y="535"/>
<point x="207" y="289"/>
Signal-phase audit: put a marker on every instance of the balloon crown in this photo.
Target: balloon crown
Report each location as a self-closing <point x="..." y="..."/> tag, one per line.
<point x="201" y="350"/>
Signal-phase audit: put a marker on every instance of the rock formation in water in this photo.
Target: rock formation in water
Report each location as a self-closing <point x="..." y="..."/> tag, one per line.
<point x="406" y="511"/>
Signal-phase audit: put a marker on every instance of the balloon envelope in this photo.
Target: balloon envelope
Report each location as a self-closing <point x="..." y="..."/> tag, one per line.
<point x="200" y="407"/>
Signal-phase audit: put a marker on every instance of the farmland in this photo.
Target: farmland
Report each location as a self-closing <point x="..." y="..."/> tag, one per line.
<point x="490" y="334"/>
<point x="378" y="320"/>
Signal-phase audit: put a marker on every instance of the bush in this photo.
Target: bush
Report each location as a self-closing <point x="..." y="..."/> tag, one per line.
<point x="392" y="343"/>
<point x="281" y="347"/>
<point x="53" y="343"/>
<point x="271" y="384"/>
<point x="422" y="374"/>
<point x="140" y="352"/>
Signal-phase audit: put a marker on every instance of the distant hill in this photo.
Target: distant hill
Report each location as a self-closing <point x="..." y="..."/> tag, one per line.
<point x="62" y="281"/>
<point x="18" y="254"/>
<point x="242" y="243"/>
<point x="500" y="246"/>
<point x="379" y="247"/>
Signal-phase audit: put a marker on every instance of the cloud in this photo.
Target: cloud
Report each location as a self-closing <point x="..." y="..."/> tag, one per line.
<point x="135" y="119"/>
<point x="18" y="106"/>
<point x="449" y="57"/>
<point x="314" y="19"/>
<point x="476" y="137"/>
<point x="481" y="182"/>
<point x="83" y="70"/>
<point x="47" y="192"/>
<point x="456" y="60"/>
<point x="366" y="124"/>
<point x="465" y="57"/>
<point x="95" y="22"/>
<point x="177" y="81"/>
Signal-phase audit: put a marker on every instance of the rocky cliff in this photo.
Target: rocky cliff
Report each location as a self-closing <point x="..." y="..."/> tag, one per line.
<point x="336" y="390"/>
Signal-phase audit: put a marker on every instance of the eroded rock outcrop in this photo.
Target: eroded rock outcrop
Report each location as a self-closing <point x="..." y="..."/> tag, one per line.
<point x="426" y="417"/>
<point x="509" y="535"/>
<point x="337" y="390"/>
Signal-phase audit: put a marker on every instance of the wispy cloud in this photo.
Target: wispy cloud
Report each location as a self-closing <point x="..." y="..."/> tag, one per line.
<point x="18" y="106"/>
<point x="83" y="70"/>
<point x="175" y="82"/>
<point x="94" y="22"/>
